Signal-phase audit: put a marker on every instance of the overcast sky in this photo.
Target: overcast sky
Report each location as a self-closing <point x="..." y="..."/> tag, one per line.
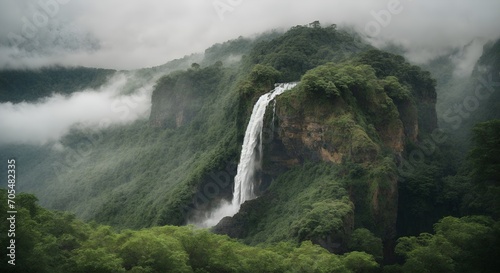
<point x="124" y="34"/>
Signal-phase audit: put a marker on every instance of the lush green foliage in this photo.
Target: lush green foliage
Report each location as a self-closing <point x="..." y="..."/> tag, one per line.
<point x="386" y="64"/>
<point x="54" y="242"/>
<point x="442" y="185"/>
<point x="410" y="78"/>
<point x="485" y="165"/>
<point x="305" y="47"/>
<point x="48" y="241"/>
<point x="468" y="244"/>
<point x="306" y="203"/>
<point x="485" y="154"/>
<point x="363" y="240"/>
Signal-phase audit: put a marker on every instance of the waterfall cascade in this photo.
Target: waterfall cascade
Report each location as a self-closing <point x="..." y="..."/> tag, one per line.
<point x="250" y="159"/>
<point x="251" y="151"/>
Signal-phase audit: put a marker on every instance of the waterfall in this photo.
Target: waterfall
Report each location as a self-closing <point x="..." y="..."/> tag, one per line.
<point x="250" y="159"/>
<point x="274" y="114"/>
<point x="251" y="151"/>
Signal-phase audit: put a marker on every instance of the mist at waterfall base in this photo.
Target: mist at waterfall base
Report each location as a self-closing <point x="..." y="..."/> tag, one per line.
<point x="249" y="165"/>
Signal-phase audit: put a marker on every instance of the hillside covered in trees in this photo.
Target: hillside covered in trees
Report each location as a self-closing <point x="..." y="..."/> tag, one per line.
<point x="360" y="173"/>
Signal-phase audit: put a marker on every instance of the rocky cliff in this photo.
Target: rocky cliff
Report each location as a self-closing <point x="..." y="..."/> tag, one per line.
<point x="179" y="97"/>
<point x="355" y="118"/>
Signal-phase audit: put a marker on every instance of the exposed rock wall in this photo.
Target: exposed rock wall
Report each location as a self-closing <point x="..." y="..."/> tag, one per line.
<point x="371" y="132"/>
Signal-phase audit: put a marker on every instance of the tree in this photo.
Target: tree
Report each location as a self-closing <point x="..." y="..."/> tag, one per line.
<point x="363" y="240"/>
<point x="97" y="260"/>
<point x="195" y="66"/>
<point x="485" y="154"/>
<point x="315" y="24"/>
<point x="467" y="244"/>
<point x="395" y="90"/>
<point x="325" y="219"/>
<point x="360" y="262"/>
<point x="160" y="252"/>
<point x="264" y="74"/>
<point x="333" y="80"/>
<point x="320" y="81"/>
<point x="484" y="158"/>
<point x="314" y="259"/>
<point x="428" y="259"/>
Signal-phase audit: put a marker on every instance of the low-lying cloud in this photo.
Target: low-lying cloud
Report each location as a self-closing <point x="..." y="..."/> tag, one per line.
<point x="53" y="117"/>
<point x="466" y="59"/>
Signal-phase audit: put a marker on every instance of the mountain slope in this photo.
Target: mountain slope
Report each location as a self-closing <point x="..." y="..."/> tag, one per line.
<point x="337" y="138"/>
<point x="358" y="117"/>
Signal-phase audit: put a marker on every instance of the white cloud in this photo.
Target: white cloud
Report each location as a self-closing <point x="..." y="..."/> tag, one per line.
<point x="52" y="118"/>
<point x="467" y="58"/>
<point x="134" y="34"/>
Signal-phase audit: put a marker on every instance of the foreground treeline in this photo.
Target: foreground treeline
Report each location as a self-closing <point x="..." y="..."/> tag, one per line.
<point x="48" y="241"/>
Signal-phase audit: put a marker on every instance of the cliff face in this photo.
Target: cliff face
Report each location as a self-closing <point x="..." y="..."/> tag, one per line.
<point x="362" y="129"/>
<point x="179" y="97"/>
<point x="339" y="137"/>
<point x="361" y="125"/>
<point x="171" y="109"/>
